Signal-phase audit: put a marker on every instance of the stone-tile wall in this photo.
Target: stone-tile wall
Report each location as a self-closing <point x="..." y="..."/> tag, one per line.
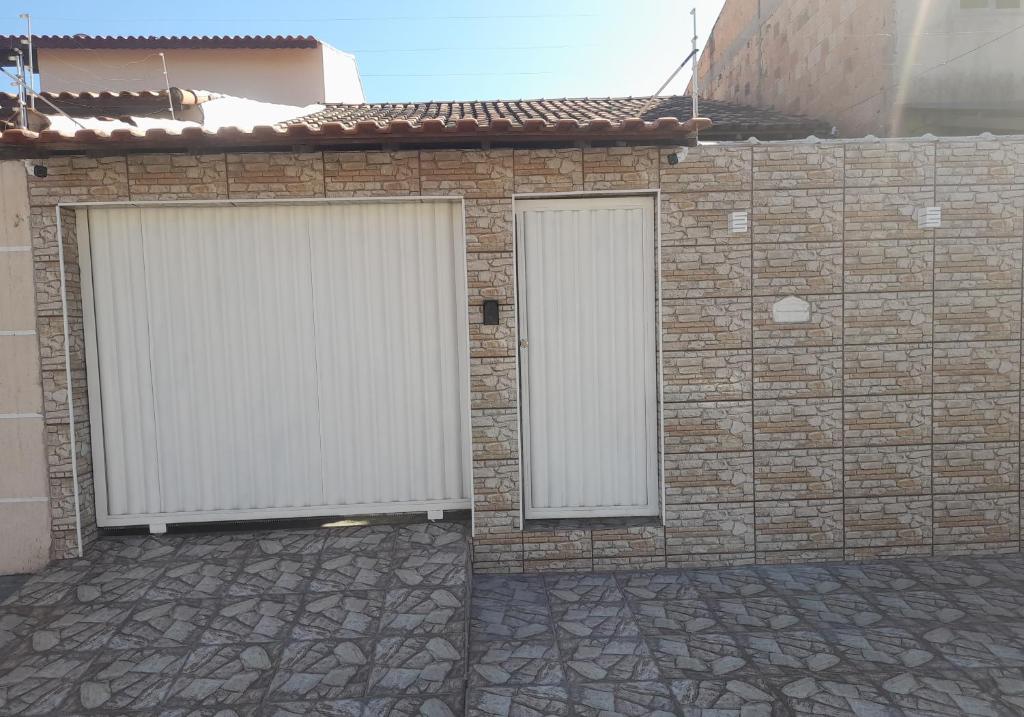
<point x="888" y="424"/>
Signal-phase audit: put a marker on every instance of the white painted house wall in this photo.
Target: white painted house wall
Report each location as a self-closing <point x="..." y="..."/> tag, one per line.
<point x="295" y="76"/>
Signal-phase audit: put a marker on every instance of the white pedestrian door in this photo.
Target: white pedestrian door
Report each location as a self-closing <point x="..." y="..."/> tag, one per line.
<point x="586" y="270"/>
<point x="269" y="360"/>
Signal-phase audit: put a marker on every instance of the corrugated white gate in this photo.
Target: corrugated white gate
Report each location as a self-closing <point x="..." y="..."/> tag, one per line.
<point x="272" y="360"/>
<point x="587" y="356"/>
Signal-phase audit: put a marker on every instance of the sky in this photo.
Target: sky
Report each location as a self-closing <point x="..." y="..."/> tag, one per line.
<point x="445" y="50"/>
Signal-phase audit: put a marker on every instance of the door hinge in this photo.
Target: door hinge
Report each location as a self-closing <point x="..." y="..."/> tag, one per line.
<point x="523" y="343"/>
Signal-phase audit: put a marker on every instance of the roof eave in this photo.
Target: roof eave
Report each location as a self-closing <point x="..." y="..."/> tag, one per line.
<point x="26" y="144"/>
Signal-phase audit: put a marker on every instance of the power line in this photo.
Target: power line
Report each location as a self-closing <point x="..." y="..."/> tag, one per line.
<point x="470" y="49"/>
<point x="935" y="67"/>
<point x="364" y="18"/>
<point x="460" y="74"/>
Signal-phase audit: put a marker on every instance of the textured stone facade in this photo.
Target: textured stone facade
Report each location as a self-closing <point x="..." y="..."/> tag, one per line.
<point x="888" y="424"/>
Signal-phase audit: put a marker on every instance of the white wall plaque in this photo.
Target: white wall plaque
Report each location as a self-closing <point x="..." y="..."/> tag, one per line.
<point x="791" y="310"/>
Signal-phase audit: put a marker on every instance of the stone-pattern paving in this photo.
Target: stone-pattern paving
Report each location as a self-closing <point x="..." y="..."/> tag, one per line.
<point x="350" y="620"/>
<point x="922" y="638"/>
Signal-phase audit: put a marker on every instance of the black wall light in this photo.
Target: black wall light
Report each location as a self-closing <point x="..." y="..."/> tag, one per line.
<point x="491" y="313"/>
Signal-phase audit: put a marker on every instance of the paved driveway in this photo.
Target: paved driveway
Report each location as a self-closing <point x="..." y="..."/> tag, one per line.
<point x="371" y="620"/>
<point x="341" y="621"/>
<point x="922" y="638"/>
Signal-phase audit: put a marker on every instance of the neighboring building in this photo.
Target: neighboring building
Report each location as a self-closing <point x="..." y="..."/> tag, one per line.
<point x="287" y="70"/>
<point x="617" y="355"/>
<point x="881" y="67"/>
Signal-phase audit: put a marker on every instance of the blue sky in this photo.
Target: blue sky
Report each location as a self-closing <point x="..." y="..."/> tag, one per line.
<point x="415" y="50"/>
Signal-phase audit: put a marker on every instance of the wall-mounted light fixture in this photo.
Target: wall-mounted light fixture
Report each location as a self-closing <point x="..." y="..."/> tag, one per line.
<point x="679" y="156"/>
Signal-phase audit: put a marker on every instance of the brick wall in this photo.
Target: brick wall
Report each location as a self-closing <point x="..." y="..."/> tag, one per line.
<point x="806" y="57"/>
<point x="886" y="425"/>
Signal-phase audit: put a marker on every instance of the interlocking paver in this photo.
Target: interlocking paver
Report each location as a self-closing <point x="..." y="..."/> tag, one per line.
<point x="515" y="662"/>
<point x="901" y="638"/>
<point x="75" y="627"/>
<point x="518" y="702"/>
<point x="733" y="696"/>
<point x="163" y="624"/>
<point x="494" y="618"/>
<point x="352" y="614"/>
<point x="122" y="681"/>
<point x="372" y="619"/>
<point x="682" y="616"/>
<point x="322" y="670"/>
<point x="252" y="619"/>
<point x="423" y="611"/>
<point x="38" y="684"/>
<point x="603" y="620"/>
<point x="418" y="665"/>
<point x="307" y="621"/>
<point x="583" y="589"/>
<point x="275" y="574"/>
<point x="625" y="698"/>
<point x="614" y="659"/>
<point x="194" y="578"/>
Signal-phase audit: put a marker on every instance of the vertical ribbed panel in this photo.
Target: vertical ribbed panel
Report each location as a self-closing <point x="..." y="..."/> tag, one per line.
<point x="586" y="269"/>
<point x="269" y="357"/>
<point x="388" y="322"/>
<point x="126" y="381"/>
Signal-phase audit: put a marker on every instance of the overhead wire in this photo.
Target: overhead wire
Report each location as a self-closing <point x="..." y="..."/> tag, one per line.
<point x="352" y="18"/>
<point x="934" y="67"/>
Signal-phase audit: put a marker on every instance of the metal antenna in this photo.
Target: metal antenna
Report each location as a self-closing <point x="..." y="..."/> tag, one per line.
<point x="650" y="100"/>
<point x="693" y="54"/>
<point x="22" y="88"/>
<point x="696" y="90"/>
<point x="31" y="65"/>
<point x="19" y="64"/>
<point x="167" y="84"/>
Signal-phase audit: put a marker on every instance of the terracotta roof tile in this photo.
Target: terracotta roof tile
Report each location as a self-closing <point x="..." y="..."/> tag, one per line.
<point x="162" y="42"/>
<point x="729" y="119"/>
<point x="98" y="104"/>
<point x="509" y="121"/>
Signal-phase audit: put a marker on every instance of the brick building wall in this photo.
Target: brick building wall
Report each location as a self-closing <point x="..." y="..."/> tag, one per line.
<point x="827" y="60"/>
<point x="886" y="425"/>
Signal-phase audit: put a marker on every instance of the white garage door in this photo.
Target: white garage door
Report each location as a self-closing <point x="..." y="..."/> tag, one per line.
<point x="270" y="360"/>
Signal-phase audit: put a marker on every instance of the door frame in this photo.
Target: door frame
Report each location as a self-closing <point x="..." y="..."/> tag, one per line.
<point x="103" y="519"/>
<point x="523" y="409"/>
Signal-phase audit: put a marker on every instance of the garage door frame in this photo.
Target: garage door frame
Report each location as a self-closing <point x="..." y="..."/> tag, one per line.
<point x="103" y="519"/>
